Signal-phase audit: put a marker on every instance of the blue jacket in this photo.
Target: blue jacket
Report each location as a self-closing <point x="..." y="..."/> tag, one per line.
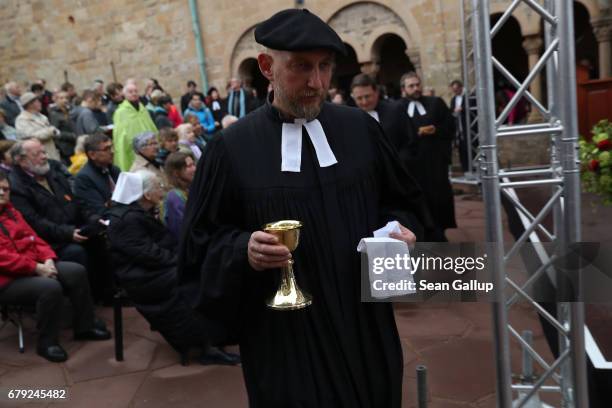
<point x="204" y="115"/>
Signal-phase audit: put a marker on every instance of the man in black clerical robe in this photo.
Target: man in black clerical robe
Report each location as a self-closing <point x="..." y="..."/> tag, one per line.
<point x="330" y="167"/>
<point x="433" y="123"/>
<point x="389" y="114"/>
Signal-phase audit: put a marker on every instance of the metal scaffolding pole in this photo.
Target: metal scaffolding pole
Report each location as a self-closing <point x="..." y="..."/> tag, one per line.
<point x="562" y="175"/>
<point x="469" y="114"/>
<point x="491" y="194"/>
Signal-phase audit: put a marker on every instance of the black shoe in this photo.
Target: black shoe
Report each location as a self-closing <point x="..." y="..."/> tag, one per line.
<point x="54" y="353"/>
<point x="214" y="356"/>
<point x="93" y="334"/>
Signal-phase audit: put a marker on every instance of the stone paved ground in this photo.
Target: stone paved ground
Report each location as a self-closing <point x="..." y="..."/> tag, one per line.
<point x="453" y="340"/>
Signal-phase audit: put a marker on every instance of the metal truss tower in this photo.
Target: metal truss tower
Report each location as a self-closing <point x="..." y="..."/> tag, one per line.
<point x="561" y="177"/>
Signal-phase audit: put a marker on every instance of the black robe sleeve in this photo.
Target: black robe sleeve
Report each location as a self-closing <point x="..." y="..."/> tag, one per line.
<point x="213" y="259"/>
<point x="401" y="197"/>
<point x="445" y="128"/>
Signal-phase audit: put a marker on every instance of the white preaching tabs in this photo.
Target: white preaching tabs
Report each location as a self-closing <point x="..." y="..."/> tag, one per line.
<point x="374" y="114"/>
<point x="291" y="145"/>
<point x="419" y="107"/>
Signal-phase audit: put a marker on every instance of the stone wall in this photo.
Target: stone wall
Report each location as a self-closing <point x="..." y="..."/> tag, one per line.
<point x="154" y="38"/>
<point x="143" y="38"/>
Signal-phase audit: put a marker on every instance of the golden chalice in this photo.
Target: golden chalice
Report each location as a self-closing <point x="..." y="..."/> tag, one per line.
<point x="288" y="296"/>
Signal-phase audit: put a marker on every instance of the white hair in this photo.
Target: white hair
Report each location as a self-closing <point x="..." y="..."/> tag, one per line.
<point x="149" y="180"/>
<point x="228" y="120"/>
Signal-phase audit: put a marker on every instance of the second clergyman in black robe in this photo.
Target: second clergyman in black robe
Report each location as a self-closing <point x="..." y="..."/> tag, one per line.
<point x="430" y="157"/>
<point x="338" y="352"/>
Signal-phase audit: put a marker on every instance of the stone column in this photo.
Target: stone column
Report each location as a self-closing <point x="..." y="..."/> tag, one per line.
<point x="414" y="54"/>
<point x="602" y="29"/>
<point x="533" y="46"/>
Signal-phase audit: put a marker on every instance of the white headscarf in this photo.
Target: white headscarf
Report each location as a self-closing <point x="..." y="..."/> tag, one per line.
<point x="128" y="189"/>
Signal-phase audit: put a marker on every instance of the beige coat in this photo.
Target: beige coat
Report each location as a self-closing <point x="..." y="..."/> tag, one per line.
<point x="140" y="163"/>
<point x="37" y="125"/>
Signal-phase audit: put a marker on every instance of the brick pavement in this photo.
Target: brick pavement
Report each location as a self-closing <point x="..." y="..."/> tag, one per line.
<point x="453" y="340"/>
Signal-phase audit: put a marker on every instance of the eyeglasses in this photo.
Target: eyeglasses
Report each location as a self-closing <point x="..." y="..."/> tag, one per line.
<point x="109" y="148"/>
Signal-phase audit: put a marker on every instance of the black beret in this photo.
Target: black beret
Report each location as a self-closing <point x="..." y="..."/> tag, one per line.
<point x="297" y="30"/>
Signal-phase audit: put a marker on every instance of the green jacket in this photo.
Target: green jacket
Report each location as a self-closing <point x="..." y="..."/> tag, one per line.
<point x="129" y="122"/>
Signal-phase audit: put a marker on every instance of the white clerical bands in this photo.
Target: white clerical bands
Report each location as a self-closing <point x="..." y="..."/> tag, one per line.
<point x="291" y="145"/>
<point x="418" y="105"/>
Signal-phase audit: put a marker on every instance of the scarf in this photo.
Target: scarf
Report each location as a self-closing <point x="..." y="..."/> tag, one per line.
<point x="230" y="104"/>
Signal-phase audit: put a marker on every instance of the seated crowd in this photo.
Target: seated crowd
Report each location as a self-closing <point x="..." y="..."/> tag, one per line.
<point x="92" y="196"/>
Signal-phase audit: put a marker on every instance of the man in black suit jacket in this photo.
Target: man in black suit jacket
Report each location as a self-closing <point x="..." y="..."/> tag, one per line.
<point x="94" y="184"/>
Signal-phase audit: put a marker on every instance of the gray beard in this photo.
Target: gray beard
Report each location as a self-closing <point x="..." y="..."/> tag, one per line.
<point x="295" y="109"/>
<point x="39" y="170"/>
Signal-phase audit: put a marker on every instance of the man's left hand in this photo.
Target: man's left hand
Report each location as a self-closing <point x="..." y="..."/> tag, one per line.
<point x="404" y="235"/>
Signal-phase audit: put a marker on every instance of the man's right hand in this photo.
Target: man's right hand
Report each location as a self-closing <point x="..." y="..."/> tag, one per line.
<point x="46" y="271"/>
<point x="77" y="237"/>
<point x="265" y="252"/>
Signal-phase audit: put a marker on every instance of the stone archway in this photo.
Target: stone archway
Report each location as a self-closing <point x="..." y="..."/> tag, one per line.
<point x="346" y="68"/>
<point x="361" y="24"/>
<point x="389" y="50"/>
<point x="246" y="48"/>
<point x="507" y="47"/>
<point x="252" y="78"/>
<point x="586" y="43"/>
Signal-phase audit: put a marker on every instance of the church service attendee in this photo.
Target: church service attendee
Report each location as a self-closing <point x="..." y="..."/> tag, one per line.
<point x="32" y="274"/>
<point x="130" y="119"/>
<point x="239" y="101"/>
<point x="95" y="182"/>
<point x="191" y="90"/>
<point x="59" y="116"/>
<point x="7" y="132"/>
<point x="144" y="254"/>
<point x="32" y="123"/>
<point x="6" y="161"/>
<point x="114" y="90"/>
<point x="179" y="169"/>
<point x="187" y="140"/>
<point x="42" y="192"/>
<point x="216" y="106"/>
<point x="168" y="143"/>
<point x="146" y="148"/>
<point x="199" y="109"/>
<point x="87" y="122"/>
<point x="10" y="103"/>
<point x="228" y="120"/>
